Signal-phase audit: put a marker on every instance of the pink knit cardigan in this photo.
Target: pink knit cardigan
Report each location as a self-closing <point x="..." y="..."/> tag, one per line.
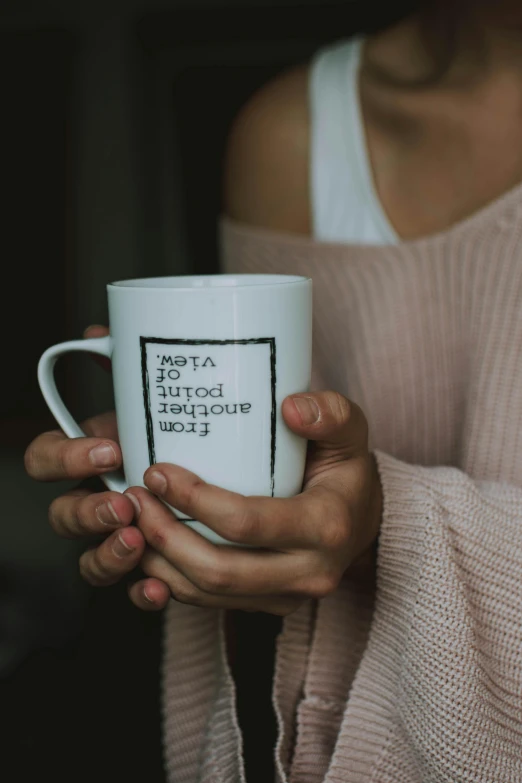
<point x="412" y="674"/>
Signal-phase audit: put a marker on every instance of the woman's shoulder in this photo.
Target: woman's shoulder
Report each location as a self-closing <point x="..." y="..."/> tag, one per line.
<point x="267" y="160"/>
<point x="268" y="172"/>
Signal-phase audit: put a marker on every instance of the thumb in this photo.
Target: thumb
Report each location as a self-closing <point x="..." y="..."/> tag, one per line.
<point x="336" y="424"/>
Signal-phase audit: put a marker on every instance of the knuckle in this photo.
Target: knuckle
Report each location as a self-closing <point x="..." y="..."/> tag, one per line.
<point x="86" y="571"/>
<point x="322" y="586"/>
<point x="66" y="458"/>
<point x="244" y="523"/>
<point x="33" y="458"/>
<point x="56" y="519"/>
<point x="335" y="530"/>
<point x="84" y="516"/>
<point x="340" y="407"/>
<point x="75" y="520"/>
<point x="313" y="506"/>
<point x="30" y="461"/>
<point x="191" y="494"/>
<point x="91" y="578"/>
<point x="334" y="534"/>
<point x="325" y="586"/>
<point x="216" y="579"/>
<point x="98" y="571"/>
<point x="39" y="454"/>
<point x="157" y="539"/>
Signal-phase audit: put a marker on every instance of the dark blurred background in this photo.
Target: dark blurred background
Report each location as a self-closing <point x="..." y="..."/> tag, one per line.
<point x="113" y="124"/>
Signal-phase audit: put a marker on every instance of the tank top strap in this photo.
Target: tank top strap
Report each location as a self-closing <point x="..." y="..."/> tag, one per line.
<point x="345" y="204"/>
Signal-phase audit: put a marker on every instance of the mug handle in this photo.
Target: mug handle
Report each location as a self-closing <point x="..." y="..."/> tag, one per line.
<point x="100" y="345"/>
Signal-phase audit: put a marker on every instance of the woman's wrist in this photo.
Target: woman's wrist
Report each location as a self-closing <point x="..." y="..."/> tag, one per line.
<point x="376" y="500"/>
<point x="370" y="521"/>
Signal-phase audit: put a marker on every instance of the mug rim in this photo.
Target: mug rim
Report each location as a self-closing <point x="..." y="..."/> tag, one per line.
<point x="227" y="282"/>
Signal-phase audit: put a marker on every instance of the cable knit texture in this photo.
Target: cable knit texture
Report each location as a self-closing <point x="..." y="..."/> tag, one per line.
<point x="412" y="674"/>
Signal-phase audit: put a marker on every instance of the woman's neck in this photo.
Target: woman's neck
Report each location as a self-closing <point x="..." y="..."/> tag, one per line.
<point x="444" y="145"/>
<point x="447" y="52"/>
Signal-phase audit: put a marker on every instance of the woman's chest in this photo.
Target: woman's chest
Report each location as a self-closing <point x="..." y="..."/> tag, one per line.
<point x="430" y="346"/>
<point x="425" y="336"/>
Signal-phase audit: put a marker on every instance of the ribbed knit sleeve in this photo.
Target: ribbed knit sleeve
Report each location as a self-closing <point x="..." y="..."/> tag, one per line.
<point x="442" y="674"/>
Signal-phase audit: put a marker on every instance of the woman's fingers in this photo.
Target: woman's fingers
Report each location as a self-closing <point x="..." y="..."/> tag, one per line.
<point x="79" y="513"/>
<point x="151" y="595"/>
<point x="117" y="556"/>
<point x="184" y="591"/>
<point x="54" y="457"/>
<point x="102" y="426"/>
<point x="275" y="523"/>
<point x="98" y="331"/>
<point x="229" y="571"/>
<point x="315" y="520"/>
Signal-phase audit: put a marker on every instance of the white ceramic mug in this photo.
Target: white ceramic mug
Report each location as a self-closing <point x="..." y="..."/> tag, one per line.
<point x="201" y="366"/>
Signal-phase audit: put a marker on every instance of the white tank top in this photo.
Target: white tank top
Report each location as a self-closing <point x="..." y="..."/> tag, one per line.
<point x="345" y="204"/>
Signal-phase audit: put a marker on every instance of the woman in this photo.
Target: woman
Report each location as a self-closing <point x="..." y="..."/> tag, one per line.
<point x="380" y="170"/>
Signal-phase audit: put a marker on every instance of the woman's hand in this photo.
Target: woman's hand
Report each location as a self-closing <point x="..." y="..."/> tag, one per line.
<point x="305" y="543"/>
<point x="82" y="514"/>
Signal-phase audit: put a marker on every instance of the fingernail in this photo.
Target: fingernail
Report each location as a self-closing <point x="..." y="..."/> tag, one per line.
<point x="135" y="502"/>
<point x="107" y="515"/>
<point x="121" y="549"/>
<point x="146" y="597"/>
<point x="308" y="409"/>
<point x="157" y="482"/>
<point x="103" y="456"/>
